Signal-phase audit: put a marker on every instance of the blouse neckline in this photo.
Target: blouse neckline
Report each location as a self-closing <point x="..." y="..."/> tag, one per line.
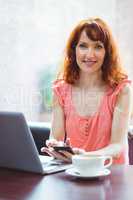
<point x="95" y="113"/>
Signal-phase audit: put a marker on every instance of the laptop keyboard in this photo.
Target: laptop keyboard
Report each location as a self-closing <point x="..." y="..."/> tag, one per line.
<point x="56" y="168"/>
<point x="54" y="165"/>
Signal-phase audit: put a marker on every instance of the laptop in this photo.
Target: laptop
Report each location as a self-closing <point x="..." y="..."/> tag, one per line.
<point x="18" y="149"/>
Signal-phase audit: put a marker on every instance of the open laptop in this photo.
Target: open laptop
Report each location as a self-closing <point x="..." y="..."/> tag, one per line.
<point x="18" y="150"/>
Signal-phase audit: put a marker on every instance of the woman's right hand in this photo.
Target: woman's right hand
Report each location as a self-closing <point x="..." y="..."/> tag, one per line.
<point x="62" y="155"/>
<point x="50" y="150"/>
<point x="53" y="143"/>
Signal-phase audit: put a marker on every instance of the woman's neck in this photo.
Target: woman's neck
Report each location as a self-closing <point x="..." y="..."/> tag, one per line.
<point x="90" y="81"/>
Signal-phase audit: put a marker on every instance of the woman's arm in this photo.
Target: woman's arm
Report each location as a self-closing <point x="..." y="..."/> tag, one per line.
<point x="57" y="124"/>
<point x="120" y="124"/>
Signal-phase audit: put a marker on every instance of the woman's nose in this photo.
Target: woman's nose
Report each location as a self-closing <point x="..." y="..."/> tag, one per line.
<point x="90" y="52"/>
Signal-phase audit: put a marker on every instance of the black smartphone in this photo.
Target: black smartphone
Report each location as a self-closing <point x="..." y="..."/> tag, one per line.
<point x="60" y="148"/>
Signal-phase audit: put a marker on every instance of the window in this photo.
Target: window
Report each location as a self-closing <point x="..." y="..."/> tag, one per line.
<point x="32" y="39"/>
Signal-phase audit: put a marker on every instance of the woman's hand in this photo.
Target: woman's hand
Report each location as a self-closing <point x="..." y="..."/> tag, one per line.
<point x="61" y="155"/>
<point x="57" y="155"/>
<point x="51" y="143"/>
<point x="77" y="151"/>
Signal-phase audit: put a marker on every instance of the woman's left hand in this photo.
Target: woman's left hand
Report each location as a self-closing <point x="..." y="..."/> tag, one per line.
<point x="77" y="151"/>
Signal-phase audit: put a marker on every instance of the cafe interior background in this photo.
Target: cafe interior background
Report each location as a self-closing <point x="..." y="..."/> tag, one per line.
<point x="33" y="35"/>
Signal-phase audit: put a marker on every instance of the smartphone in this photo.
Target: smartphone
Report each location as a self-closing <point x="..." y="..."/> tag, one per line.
<point x="61" y="148"/>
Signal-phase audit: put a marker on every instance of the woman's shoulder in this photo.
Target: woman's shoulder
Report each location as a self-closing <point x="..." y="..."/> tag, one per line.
<point x="125" y="94"/>
<point x="61" y="89"/>
<point x="60" y="83"/>
<point x="123" y="87"/>
<point x="127" y="89"/>
<point x="125" y="97"/>
<point x="121" y="94"/>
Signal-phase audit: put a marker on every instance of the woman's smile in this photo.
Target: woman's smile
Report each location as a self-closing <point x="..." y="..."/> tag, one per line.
<point x="89" y="63"/>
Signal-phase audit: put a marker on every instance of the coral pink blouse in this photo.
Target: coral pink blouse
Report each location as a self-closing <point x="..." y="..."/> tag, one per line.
<point x="93" y="132"/>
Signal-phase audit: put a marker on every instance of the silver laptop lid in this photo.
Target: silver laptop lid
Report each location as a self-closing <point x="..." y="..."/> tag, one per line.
<point x="17" y="147"/>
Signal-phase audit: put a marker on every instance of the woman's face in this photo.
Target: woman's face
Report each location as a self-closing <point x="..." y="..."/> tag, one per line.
<point x="89" y="54"/>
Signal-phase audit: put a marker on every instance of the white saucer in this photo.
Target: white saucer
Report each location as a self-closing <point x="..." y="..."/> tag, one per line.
<point x="73" y="172"/>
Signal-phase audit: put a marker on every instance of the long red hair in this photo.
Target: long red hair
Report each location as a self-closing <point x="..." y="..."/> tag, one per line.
<point x="96" y="29"/>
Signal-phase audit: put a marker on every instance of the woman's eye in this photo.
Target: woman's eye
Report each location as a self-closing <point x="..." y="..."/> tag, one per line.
<point x="82" y="45"/>
<point x="98" y="46"/>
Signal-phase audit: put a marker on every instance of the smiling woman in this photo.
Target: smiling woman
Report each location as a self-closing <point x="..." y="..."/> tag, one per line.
<point x="92" y="97"/>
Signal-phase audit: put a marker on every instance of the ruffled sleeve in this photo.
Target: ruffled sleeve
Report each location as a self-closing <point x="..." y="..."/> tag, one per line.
<point x="114" y="92"/>
<point x="60" y="88"/>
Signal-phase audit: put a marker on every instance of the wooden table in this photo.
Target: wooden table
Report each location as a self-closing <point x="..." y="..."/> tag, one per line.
<point x="15" y="185"/>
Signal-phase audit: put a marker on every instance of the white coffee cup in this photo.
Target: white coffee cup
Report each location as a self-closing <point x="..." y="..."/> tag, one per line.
<point x="85" y="164"/>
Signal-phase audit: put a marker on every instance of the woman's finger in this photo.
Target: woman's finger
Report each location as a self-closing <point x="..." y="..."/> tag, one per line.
<point x="46" y="150"/>
<point x="51" y="142"/>
<point x="66" y="154"/>
<point x="54" y="142"/>
<point x="68" y="143"/>
<point x="78" y="151"/>
<point x="55" y="154"/>
<point x="60" y="156"/>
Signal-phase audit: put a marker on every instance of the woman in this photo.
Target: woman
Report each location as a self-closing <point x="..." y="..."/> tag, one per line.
<point x="92" y="95"/>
